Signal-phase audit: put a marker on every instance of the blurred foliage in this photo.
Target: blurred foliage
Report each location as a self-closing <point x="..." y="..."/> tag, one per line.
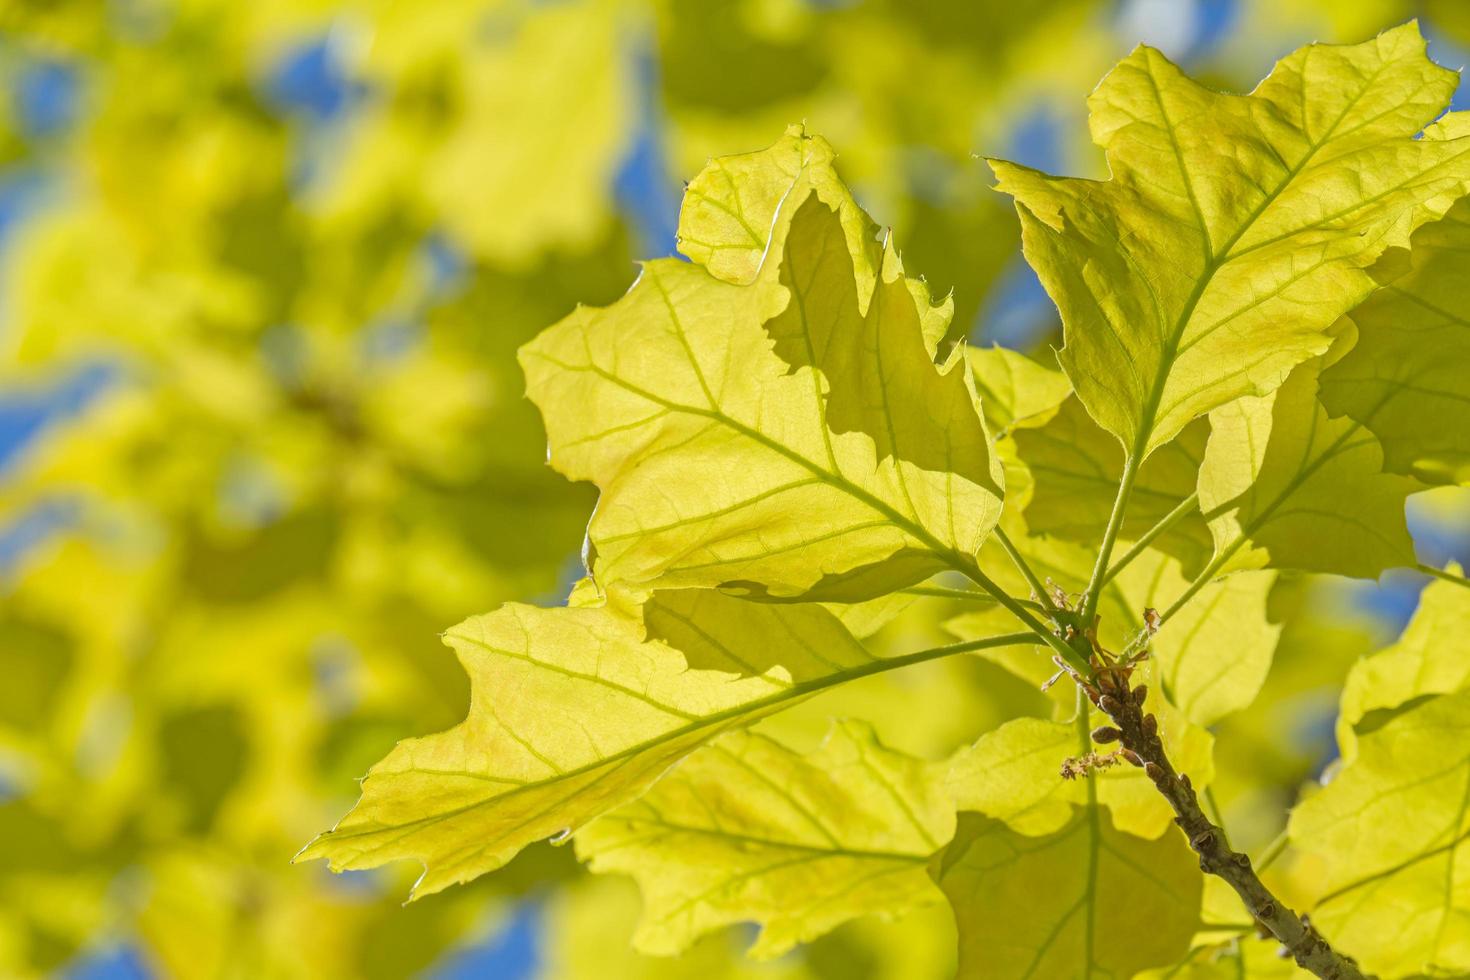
<point x="287" y="250"/>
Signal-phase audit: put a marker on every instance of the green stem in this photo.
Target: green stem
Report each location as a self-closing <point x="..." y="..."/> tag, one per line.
<point x="965" y="595"/>
<point x="1202" y="579"/>
<point x="1273" y="851"/>
<point x="1110" y="536"/>
<point x="1186" y="506"/>
<point x="1037" y="587"/>
<point x="1084" y="747"/>
<point x="1443" y="575"/>
<point x="1078" y="662"/>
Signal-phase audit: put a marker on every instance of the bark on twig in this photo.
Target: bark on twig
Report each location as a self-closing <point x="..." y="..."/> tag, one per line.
<point x="1137" y="732"/>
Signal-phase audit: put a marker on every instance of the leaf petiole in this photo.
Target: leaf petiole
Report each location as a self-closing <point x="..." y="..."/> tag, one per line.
<point x="1110" y="536"/>
<point x="1443" y="575"/>
<point x="1186" y="506"/>
<point x="1038" y="588"/>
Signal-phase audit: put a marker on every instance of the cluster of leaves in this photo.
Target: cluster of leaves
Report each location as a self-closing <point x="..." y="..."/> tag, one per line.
<point x="311" y="453"/>
<point x="790" y="459"/>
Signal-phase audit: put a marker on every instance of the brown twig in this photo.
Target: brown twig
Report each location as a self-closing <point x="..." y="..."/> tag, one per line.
<point x="1137" y="733"/>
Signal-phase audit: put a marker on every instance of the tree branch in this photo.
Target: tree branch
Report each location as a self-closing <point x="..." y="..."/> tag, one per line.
<point x="1138" y="734"/>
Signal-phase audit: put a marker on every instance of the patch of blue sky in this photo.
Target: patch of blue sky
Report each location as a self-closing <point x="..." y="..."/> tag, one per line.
<point x="511" y="953"/>
<point x="118" y="961"/>
<point x="645" y="192"/>
<point x="448" y="265"/>
<point x="46" y="97"/>
<point x="1441" y="535"/>
<point x="368" y="885"/>
<point x="1017" y="311"/>
<point x="389" y="340"/>
<point x="1184" y="30"/>
<point x="24" y="415"/>
<point x="310" y="78"/>
<point x="309" y="82"/>
<point x="1391" y="600"/>
<point x="335" y="665"/>
<point x="21" y="535"/>
<point x="1451" y="54"/>
<point x="23" y="192"/>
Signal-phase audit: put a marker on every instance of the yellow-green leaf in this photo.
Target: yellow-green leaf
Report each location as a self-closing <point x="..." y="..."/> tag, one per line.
<point x="1245" y="958"/>
<point x="1213" y="654"/>
<point x="1014" y="774"/>
<point x="1284" y="486"/>
<point x="746" y="830"/>
<point x="1015" y="391"/>
<point x="1076" y="467"/>
<point x="1432" y="656"/>
<point x="731" y="210"/>
<point x="787" y="436"/>
<point x="1408" y="377"/>
<point x="575" y="711"/>
<point x="1393" y="830"/>
<point x="1235" y="228"/>
<point x="1087" y="900"/>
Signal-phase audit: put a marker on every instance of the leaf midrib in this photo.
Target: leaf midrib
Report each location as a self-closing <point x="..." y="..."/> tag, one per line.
<point x="794" y="692"/>
<point x="837" y="481"/>
<point x="833" y="850"/>
<point x="1217" y="260"/>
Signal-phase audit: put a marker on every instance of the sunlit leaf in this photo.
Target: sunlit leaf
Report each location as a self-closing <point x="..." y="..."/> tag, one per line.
<point x="1212" y="656"/>
<point x="747" y="830"/>
<point x="1014" y="774"/>
<point x="1086" y="891"/>
<point x="1016" y="392"/>
<point x="1234" y="229"/>
<point x="1076" y="467"/>
<point x="788" y="436"/>
<point x="1285" y="486"/>
<point x="1405" y="379"/>
<point x="575" y="711"/>
<point x="1432" y="656"/>
<point x="1393" y="829"/>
